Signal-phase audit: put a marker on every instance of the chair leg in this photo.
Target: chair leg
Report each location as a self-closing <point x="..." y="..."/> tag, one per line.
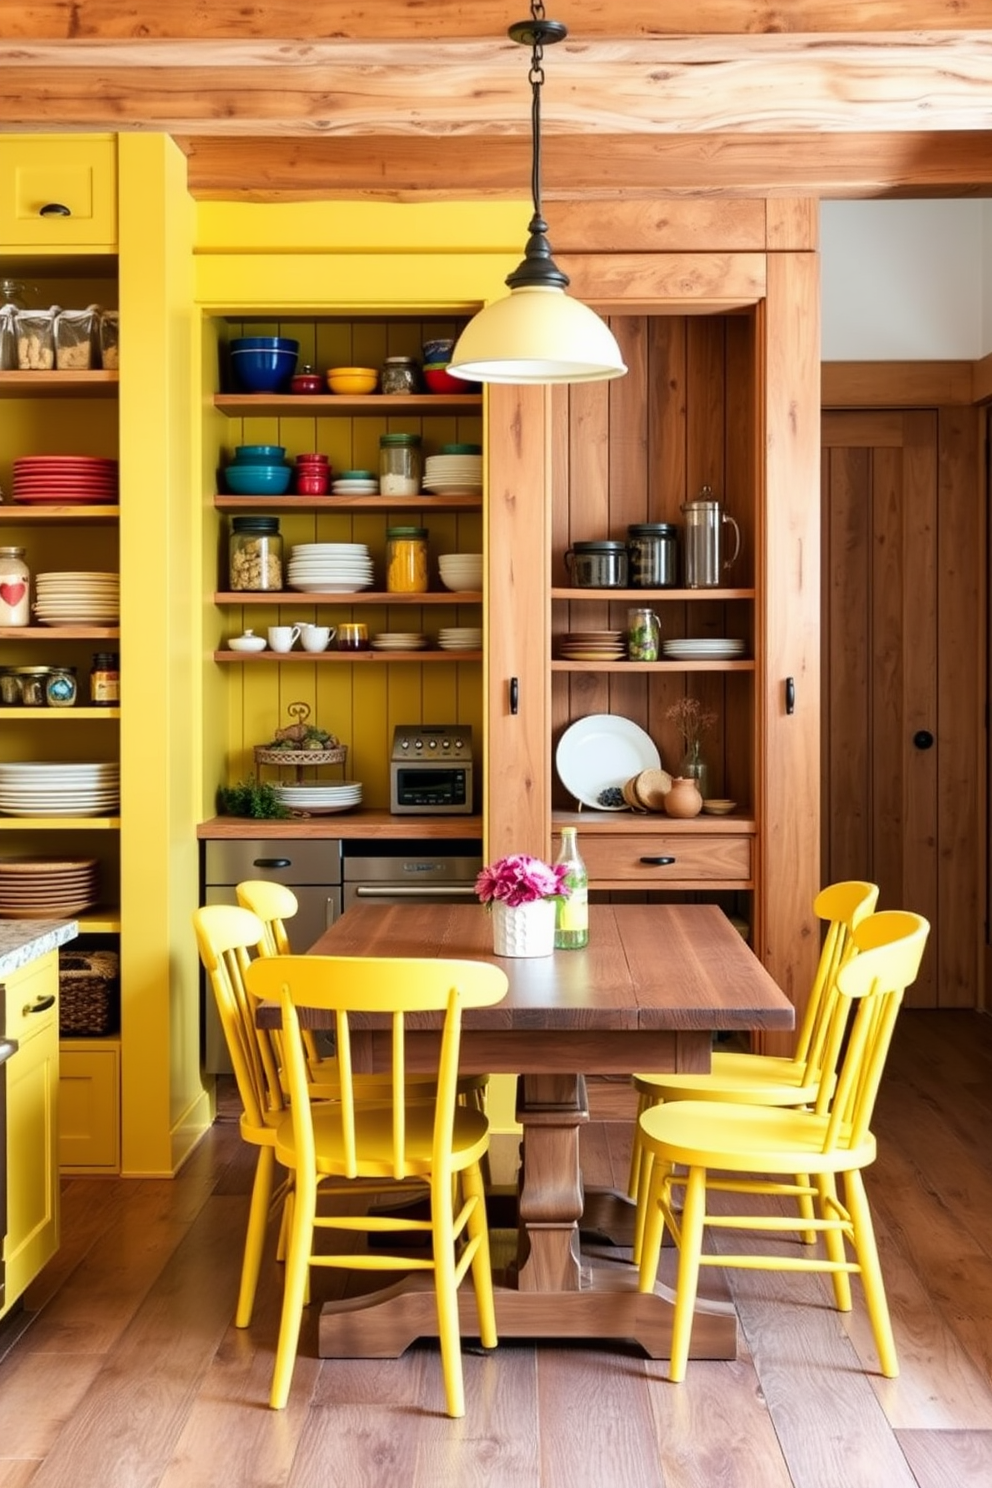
<point x="806" y="1211"/>
<point x="446" y="1294"/>
<point x="650" y="1223"/>
<point x="258" y="1216"/>
<point x="643" y="1186"/>
<point x="834" y="1241"/>
<point x="635" y="1176"/>
<point x="482" y="1274"/>
<point x="295" y="1289"/>
<point x="866" y="1251"/>
<point x="687" y="1284"/>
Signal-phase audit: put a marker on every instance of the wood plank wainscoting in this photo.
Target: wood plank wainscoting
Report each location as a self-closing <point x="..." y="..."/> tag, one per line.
<point x="128" y="1370"/>
<point x="904" y="658"/>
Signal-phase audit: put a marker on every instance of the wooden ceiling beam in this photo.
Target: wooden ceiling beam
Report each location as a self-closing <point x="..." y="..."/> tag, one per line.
<point x="597" y="166"/>
<point x="386" y="20"/>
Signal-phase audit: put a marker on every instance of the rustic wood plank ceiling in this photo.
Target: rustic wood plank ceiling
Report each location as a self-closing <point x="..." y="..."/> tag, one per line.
<point x="390" y="98"/>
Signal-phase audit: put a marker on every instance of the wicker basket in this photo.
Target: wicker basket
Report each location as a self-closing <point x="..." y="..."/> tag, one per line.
<point x="89" y="993"/>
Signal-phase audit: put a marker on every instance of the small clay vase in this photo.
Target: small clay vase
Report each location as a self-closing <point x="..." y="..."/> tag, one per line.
<point x="683" y="799"/>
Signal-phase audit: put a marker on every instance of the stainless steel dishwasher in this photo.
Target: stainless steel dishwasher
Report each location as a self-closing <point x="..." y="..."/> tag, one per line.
<point x="311" y="867"/>
<point x="420" y="869"/>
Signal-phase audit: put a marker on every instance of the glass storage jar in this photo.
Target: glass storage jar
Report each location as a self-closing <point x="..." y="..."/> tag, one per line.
<point x="15" y="588"/>
<point x="597" y="565"/>
<point x="255" y="553"/>
<point x="400" y="465"/>
<point x="406" y="560"/>
<point x="105" y="680"/>
<point x="60" y="687"/>
<point x="652" y="552"/>
<point x="400" y="374"/>
<point x="32" y="680"/>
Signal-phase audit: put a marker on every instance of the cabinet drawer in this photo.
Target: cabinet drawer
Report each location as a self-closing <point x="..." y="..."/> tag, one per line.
<point x="89" y="1107"/>
<point x="31" y="998"/>
<point x="702" y="858"/>
<point x="80" y="174"/>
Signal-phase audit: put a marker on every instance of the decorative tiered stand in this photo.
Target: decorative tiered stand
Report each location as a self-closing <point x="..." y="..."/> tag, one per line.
<point x="289" y="752"/>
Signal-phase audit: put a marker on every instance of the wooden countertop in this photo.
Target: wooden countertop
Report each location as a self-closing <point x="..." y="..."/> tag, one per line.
<point x="341" y="824"/>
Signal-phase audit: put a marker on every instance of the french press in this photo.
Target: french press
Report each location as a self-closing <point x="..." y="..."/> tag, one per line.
<point x="703" y="557"/>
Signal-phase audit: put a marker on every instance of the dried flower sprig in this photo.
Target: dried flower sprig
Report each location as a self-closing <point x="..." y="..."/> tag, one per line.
<point x="691" y="720"/>
<point x="521" y="879"/>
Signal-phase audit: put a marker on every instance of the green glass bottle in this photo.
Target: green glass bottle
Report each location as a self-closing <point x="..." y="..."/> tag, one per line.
<point x="572" y="919"/>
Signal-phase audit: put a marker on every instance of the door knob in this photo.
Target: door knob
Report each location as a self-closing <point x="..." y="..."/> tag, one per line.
<point x="923" y="739"/>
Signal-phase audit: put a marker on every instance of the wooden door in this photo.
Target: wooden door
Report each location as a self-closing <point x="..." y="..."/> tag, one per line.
<point x="902" y="675"/>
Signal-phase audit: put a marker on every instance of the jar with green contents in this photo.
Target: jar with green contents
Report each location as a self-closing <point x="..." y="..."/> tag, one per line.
<point x="406" y="560"/>
<point x="643" y="635"/>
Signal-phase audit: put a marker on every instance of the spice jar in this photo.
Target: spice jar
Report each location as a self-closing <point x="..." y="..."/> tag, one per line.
<point x="643" y="635"/>
<point x="400" y="374"/>
<point x="400" y="465"/>
<point x="406" y="560"/>
<point x="105" y="680"/>
<point x="10" y="687"/>
<point x="306" y="381"/>
<point x="32" y="681"/>
<point x="15" y="588"/>
<point x="255" y="553"/>
<point x="60" y="687"/>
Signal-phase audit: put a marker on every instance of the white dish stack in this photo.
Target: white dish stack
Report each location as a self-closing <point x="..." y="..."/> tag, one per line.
<point x="313" y="799"/>
<point x="77" y="598"/>
<point x="453" y="475"/>
<point x="330" y="568"/>
<point x="461" y="571"/>
<point x="460" y="638"/>
<point x="51" y="788"/>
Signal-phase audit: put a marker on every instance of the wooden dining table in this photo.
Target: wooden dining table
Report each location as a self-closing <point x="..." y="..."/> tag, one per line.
<point x="649" y="992"/>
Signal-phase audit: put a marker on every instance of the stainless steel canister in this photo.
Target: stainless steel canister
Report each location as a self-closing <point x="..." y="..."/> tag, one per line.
<point x="653" y="554"/>
<point x="597" y="565"/>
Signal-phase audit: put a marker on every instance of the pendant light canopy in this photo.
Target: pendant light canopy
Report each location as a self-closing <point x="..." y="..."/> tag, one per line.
<point x="537" y="334"/>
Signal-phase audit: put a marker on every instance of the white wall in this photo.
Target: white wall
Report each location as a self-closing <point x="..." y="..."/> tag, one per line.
<point x="906" y="280"/>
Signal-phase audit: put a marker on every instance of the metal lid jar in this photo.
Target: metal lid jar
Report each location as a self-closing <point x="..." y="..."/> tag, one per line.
<point x="255" y="553"/>
<point x="400" y="374"/>
<point x="60" y="687"/>
<point x="652" y="550"/>
<point x="406" y="560"/>
<point x="15" y="588"/>
<point x="400" y="464"/>
<point x="597" y="565"/>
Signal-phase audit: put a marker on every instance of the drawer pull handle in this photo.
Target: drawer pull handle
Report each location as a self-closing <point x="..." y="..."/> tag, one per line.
<point x="658" y="862"/>
<point x="272" y="863"/>
<point x="54" y="209"/>
<point x="41" y="1006"/>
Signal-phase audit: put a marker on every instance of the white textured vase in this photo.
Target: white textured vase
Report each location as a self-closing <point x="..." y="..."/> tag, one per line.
<point x="524" y="929"/>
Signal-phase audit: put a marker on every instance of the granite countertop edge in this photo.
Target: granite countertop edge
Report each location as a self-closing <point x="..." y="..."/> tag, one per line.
<point x="23" y="941"/>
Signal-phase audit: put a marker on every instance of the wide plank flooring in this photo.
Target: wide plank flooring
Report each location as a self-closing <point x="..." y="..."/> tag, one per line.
<point x="124" y="1369"/>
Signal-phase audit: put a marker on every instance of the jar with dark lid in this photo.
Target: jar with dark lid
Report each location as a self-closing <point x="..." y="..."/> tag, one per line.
<point x="60" y="687"/>
<point x="255" y="553"/>
<point x="406" y="560"/>
<point x="652" y="548"/>
<point x="400" y="464"/>
<point x="105" y="680"/>
<point x="597" y="565"/>
<point x="400" y="374"/>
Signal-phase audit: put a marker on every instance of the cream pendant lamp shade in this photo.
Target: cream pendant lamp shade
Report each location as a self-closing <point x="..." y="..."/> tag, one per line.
<point x="537" y="334"/>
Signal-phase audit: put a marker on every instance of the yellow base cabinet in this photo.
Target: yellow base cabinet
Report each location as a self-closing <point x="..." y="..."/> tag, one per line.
<point x="89" y="1106"/>
<point x="58" y="192"/>
<point x="32" y="1020"/>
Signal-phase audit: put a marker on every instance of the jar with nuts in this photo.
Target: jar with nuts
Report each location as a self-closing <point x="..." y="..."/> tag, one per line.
<point x="255" y="553"/>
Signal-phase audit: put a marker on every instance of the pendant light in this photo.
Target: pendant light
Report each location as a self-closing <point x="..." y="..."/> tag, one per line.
<point x="537" y="333"/>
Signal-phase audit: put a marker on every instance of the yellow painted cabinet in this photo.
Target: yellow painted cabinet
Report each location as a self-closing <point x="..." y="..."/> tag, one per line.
<point x="89" y="1105"/>
<point x="58" y="193"/>
<point x="31" y="996"/>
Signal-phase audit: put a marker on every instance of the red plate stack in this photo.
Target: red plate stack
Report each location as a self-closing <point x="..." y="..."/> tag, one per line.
<point x="66" y="480"/>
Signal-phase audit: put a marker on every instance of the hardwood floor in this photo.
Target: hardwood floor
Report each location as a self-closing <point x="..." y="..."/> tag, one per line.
<point x="125" y="1371"/>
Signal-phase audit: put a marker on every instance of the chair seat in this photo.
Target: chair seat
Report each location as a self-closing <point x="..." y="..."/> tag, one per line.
<point x="748" y="1139"/>
<point x="759" y="1078"/>
<point x="374" y="1139"/>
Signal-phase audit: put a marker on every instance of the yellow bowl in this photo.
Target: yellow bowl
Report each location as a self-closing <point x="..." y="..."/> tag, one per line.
<point x="352" y="379"/>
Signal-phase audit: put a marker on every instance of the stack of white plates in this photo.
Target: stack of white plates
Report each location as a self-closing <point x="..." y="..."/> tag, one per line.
<point x="453" y="475"/>
<point x="51" y="788"/>
<point x="703" y="648"/>
<point x="459" y="638"/>
<point x="329" y="568"/>
<point x="399" y="640"/>
<point x="460" y="570"/>
<point x="593" y="645"/>
<point x="47" y="888"/>
<point x="355" y="483"/>
<point x="320" y="800"/>
<point x="77" y="598"/>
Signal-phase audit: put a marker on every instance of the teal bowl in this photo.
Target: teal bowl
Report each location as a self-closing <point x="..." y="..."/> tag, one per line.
<point x="258" y="480"/>
<point x="259" y="454"/>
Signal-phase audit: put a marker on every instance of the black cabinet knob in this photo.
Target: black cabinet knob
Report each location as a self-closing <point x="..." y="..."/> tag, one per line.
<point x="923" y="739"/>
<point x="54" y="209"/>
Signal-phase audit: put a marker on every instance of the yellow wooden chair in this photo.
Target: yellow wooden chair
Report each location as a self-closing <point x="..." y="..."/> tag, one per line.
<point x="764" y="1079"/>
<point x="439" y="1143"/>
<point x="227" y="937"/>
<point x="275" y="903"/>
<point x="706" y="1146"/>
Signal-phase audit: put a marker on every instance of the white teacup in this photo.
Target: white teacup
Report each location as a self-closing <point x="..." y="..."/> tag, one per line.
<point x="283" y="637"/>
<point x="317" y="637"/>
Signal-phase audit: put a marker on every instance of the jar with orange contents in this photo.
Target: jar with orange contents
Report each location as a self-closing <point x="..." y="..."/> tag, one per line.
<point x="406" y="560"/>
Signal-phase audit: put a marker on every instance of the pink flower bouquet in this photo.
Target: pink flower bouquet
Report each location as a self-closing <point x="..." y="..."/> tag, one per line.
<point x="521" y="879"/>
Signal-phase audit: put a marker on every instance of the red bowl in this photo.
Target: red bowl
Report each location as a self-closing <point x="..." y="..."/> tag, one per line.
<point x="440" y="380"/>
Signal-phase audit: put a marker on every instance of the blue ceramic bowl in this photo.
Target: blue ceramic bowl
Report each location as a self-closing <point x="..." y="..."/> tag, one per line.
<point x="265" y="343"/>
<point x="439" y="350"/>
<point x="259" y="454"/>
<point x="258" y="480"/>
<point x="264" y="371"/>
